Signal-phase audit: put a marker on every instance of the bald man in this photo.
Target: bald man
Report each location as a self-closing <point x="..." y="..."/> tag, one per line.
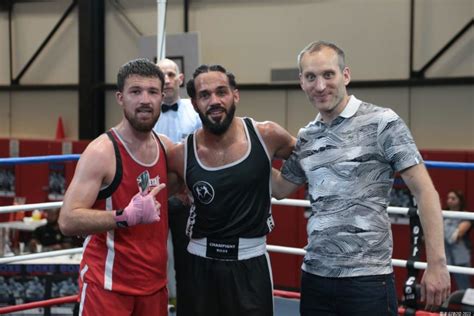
<point x="178" y="119"/>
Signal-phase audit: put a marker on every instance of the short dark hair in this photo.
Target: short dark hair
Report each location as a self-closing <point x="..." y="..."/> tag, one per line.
<point x="191" y="88"/>
<point x="142" y="67"/>
<point x="319" y="45"/>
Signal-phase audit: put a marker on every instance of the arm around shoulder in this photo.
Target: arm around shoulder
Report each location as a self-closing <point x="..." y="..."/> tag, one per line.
<point x="175" y="154"/>
<point x="282" y="188"/>
<point x="176" y="159"/>
<point x="280" y="143"/>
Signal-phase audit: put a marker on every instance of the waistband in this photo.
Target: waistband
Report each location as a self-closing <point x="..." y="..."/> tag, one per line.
<point x="235" y="249"/>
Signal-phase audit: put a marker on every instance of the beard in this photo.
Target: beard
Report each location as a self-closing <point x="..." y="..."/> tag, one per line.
<point x="218" y="128"/>
<point x="139" y="125"/>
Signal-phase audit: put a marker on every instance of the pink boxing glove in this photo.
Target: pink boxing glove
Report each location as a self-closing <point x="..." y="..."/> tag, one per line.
<point x="142" y="209"/>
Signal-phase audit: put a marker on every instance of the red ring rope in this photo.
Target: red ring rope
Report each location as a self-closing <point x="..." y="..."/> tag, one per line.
<point x="50" y="302"/>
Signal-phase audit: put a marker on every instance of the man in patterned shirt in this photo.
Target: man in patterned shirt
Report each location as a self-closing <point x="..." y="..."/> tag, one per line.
<point x="348" y="156"/>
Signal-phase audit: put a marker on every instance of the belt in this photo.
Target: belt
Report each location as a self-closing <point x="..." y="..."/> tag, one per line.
<point x="229" y="249"/>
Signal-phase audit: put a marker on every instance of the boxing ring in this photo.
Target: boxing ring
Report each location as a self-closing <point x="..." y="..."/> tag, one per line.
<point x="398" y="211"/>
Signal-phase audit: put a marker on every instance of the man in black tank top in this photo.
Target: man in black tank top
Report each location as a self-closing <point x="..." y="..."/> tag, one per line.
<point x="226" y="165"/>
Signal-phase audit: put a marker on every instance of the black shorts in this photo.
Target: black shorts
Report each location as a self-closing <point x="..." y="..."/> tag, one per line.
<point x="231" y="287"/>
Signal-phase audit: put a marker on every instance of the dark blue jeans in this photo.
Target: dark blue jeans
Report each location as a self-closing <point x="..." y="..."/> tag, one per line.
<point x="357" y="296"/>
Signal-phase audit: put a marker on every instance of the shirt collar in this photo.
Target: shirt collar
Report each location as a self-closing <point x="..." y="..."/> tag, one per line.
<point x="350" y="109"/>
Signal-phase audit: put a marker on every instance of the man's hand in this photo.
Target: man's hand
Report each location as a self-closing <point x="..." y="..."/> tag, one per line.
<point x="142" y="209"/>
<point x="435" y="286"/>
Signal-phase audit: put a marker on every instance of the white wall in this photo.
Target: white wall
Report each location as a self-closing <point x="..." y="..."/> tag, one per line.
<point x="251" y="37"/>
<point x="436" y="22"/>
<point x="439" y="118"/>
<point x="31" y="23"/>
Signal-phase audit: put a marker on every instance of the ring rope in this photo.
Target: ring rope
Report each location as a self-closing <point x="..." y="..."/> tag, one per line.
<point x="392" y="210"/>
<point x="45" y="303"/>
<point x="30" y="207"/>
<point x="37" y="159"/>
<point x="271" y="248"/>
<point x="450" y="165"/>
<point x="395" y="262"/>
<point x="73" y="157"/>
<point x="47" y="254"/>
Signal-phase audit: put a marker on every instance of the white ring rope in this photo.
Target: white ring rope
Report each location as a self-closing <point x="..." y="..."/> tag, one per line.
<point x="40" y="255"/>
<point x="395" y="262"/>
<point x="270" y="248"/>
<point x="30" y="207"/>
<point x="392" y="210"/>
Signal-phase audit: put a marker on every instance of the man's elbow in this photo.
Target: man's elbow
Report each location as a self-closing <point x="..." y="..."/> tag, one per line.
<point x="66" y="226"/>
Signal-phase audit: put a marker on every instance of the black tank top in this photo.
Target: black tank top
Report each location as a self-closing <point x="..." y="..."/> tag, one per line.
<point x="232" y="200"/>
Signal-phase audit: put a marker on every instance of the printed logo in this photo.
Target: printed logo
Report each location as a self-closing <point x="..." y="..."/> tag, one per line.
<point x="204" y="192"/>
<point x="154" y="182"/>
<point x="145" y="182"/>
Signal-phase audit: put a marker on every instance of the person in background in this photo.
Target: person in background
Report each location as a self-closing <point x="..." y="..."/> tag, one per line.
<point x="348" y="156"/>
<point x="456" y="238"/>
<point x="177" y="119"/>
<point x="49" y="236"/>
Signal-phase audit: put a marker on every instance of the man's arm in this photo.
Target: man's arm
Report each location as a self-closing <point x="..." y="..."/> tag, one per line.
<point x="462" y="229"/>
<point x="281" y="187"/>
<point x="279" y="142"/>
<point x="176" y="160"/>
<point x="96" y="164"/>
<point x="435" y="284"/>
<point x="176" y="171"/>
<point x="175" y="183"/>
<point x="95" y="168"/>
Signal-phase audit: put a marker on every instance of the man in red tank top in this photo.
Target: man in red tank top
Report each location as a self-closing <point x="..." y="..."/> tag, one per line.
<point x="118" y="199"/>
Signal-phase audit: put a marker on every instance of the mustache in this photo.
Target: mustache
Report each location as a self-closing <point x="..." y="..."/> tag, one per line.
<point x="216" y="107"/>
<point x="144" y="108"/>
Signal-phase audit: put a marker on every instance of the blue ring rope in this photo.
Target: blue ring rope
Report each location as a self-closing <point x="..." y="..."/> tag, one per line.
<point x="450" y="165"/>
<point x="37" y="159"/>
<point x="61" y="158"/>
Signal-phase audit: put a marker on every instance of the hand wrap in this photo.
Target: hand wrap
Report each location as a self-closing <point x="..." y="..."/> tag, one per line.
<point x="142" y="209"/>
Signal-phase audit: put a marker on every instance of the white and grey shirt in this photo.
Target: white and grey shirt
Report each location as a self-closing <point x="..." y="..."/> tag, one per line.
<point x="349" y="165"/>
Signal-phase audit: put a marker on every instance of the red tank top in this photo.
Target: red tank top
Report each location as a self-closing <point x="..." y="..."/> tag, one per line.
<point x="130" y="261"/>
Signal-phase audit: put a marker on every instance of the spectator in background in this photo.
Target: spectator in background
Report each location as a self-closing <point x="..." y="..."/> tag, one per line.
<point x="456" y="238"/>
<point x="49" y="236"/>
<point x="177" y="119"/>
